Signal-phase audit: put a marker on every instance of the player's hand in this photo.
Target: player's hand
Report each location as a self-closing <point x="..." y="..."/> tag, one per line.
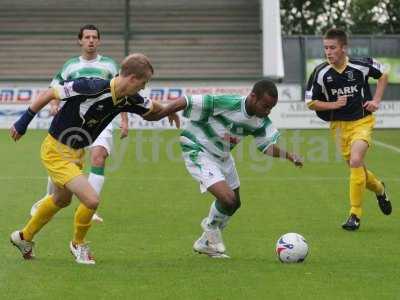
<point x="296" y="160"/>
<point x="14" y="134"/>
<point x="124" y="129"/>
<point x="174" y="118"/>
<point x="372" y="105"/>
<point x="341" y="101"/>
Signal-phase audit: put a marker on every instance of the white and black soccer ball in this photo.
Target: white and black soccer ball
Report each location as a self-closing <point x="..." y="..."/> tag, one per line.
<point x="291" y="248"/>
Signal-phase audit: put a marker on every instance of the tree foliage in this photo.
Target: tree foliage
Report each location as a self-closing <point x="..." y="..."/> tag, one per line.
<point x="354" y="16"/>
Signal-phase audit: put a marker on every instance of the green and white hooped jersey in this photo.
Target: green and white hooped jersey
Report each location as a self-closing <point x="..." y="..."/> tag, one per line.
<point x="101" y="67"/>
<point x="219" y="122"/>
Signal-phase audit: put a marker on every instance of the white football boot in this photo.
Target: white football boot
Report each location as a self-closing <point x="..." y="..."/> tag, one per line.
<point x="203" y="246"/>
<point x="25" y="247"/>
<point x="214" y="236"/>
<point x="82" y="254"/>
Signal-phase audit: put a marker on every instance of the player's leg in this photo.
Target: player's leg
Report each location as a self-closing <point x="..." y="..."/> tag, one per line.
<point x="378" y="187"/>
<point x="49" y="191"/>
<point x="59" y="162"/>
<point x="50" y="205"/>
<point x="222" y="181"/>
<point x="225" y="205"/>
<point x="215" y="176"/>
<point x="98" y="156"/>
<point x="357" y="183"/>
<point x="99" y="151"/>
<point x="89" y="199"/>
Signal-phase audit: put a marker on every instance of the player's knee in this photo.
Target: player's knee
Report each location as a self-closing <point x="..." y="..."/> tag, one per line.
<point x="98" y="158"/>
<point x="229" y="200"/>
<point x="92" y="202"/>
<point x="236" y="205"/>
<point x="62" y="201"/>
<point x="356" y="162"/>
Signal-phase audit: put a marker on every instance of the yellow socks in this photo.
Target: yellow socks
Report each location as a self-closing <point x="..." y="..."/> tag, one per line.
<point x="83" y="221"/>
<point x="46" y="210"/>
<point x="357" y="187"/>
<point x="373" y="184"/>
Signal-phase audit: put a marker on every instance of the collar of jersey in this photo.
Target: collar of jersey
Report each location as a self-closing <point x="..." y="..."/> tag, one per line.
<point x="97" y="58"/>
<point x="340" y="70"/>
<point x="244" y="108"/>
<point x="114" y="97"/>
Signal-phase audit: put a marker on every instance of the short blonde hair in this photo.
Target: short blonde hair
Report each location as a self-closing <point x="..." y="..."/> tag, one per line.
<point x="137" y="64"/>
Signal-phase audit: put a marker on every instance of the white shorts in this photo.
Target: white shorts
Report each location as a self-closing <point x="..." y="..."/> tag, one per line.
<point x="105" y="139"/>
<point x="208" y="170"/>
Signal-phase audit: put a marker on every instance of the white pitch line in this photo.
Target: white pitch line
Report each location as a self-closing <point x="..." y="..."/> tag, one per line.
<point x="387" y="146"/>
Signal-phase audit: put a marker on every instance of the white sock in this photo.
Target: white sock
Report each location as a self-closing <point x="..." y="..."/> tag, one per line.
<point x="216" y="218"/>
<point x="96" y="181"/>
<point x="50" y="186"/>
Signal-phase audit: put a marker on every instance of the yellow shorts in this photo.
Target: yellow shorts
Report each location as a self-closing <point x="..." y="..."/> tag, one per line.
<point x="346" y="132"/>
<point x="61" y="162"/>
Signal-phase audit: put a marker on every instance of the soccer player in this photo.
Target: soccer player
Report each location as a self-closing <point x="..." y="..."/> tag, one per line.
<point x="90" y="105"/>
<point x="217" y="124"/>
<point x="339" y="92"/>
<point x="90" y="64"/>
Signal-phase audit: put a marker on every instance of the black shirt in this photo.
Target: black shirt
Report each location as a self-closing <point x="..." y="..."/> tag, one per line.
<point x="90" y="106"/>
<point x="326" y="84"/>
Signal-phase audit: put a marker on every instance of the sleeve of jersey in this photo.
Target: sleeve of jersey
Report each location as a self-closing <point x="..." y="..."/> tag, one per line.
<point x="199" y="107"/>
<point x="64" y="91"/>
<point x="314" y="90"/>
<point x="57" y="79"/>
<point x="375" y="69"/>
<point x="267" y="138"/>
<point x="142" y="107"/>
<point x="81" y="86"/>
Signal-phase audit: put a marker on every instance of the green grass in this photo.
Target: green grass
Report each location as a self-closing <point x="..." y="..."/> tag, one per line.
<point x="152" y="210"/>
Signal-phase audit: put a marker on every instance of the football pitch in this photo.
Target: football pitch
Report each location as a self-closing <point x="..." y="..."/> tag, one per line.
<point x="152" y="211"/>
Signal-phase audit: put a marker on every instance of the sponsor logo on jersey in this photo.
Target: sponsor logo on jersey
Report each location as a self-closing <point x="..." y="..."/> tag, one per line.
<point x="347" y="90"/>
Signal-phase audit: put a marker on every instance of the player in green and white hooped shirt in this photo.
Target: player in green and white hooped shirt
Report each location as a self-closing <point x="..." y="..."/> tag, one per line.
<point x="90" y="64"/>
<point x="217" y="124"/>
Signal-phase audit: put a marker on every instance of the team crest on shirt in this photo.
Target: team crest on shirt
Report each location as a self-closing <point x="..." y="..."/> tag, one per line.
<point x="91" y="123"/>
<point x="231" y="139"/>
<point x="329" y="79"/>
<point x="350" y="76"/>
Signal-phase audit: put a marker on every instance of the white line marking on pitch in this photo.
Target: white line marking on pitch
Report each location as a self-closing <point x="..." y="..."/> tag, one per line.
<point x="387" y="146"/>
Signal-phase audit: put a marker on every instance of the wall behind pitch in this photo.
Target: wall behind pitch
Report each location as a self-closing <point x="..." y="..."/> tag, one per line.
<point x="290" y="112"/>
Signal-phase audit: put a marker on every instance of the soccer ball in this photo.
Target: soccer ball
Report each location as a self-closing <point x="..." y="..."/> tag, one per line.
<point x="291" y="248"/>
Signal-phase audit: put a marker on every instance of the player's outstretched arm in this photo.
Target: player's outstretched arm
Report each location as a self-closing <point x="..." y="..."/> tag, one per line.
<point x="275" y="151"/>
<point x="20" y="126"/>
<point x="160" y="111"/>
<point x="124" y="125"/>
